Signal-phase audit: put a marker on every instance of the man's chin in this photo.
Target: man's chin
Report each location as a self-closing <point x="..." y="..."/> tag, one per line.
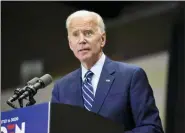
<point x="85" y="58"/>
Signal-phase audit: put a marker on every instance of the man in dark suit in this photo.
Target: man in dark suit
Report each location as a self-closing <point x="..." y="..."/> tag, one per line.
<point x="115" y="90"/>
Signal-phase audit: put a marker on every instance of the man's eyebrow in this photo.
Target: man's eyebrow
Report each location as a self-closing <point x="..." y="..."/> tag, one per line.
<point x="75" y="30"/>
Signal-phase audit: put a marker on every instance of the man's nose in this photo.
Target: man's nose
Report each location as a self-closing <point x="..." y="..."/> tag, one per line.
<point x="82" y="39"/>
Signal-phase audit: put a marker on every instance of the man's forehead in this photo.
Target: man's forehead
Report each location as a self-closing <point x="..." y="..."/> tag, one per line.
<point x="81" y="22"/>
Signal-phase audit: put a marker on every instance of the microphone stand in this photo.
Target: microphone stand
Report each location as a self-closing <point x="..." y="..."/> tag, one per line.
<point x="11" y="104"/>
<point x="31" y="93"/>
<point x="10" y="101"/>
<point x="31" y="100"/>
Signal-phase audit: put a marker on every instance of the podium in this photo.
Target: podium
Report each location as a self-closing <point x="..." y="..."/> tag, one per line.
<point x="56" y="118"/>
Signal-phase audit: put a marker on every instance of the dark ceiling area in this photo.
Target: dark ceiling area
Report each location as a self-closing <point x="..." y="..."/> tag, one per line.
<point x="107" y="9"/>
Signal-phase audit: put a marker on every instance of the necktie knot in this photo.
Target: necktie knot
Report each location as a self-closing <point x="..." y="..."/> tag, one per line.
<point x="88" y="75"/>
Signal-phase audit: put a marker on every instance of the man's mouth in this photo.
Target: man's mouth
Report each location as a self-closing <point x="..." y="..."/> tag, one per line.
<point x="84" y="49"/>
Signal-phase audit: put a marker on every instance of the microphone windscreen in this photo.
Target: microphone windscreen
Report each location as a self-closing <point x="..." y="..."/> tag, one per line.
<point x="46" y="79"/>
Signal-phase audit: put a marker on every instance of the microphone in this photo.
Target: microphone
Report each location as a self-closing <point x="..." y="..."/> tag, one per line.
<point x="41" y="83"/>
<point x="19" y="91"/>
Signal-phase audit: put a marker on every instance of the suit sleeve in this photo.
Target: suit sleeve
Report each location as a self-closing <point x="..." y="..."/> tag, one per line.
<point x="55" y="94"/>
<point x="142" y="102"/>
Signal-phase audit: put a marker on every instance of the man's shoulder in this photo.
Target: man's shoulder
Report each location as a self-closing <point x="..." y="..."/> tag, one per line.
<point x="128" y="69"/>
<point x="122" y="66"/>
<point x="68" y="77"/>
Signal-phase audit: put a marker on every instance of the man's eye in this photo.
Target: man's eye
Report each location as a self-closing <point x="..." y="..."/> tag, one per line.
<point x="88" y="33"/>
<point x="75" y="34"/>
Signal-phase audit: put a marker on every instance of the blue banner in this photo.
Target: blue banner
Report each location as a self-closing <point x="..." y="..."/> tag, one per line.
<point x="32" y="119"/>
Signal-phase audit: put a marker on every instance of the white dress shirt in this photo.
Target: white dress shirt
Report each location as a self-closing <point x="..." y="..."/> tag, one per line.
<point x="96" y="69"/>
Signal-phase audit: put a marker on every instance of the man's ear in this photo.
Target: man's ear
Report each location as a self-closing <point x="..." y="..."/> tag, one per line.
<point x="70" y="44"/>
<point x="103" y="39"/>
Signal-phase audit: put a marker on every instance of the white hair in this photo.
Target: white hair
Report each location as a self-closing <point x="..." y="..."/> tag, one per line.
<point x="81" y="13"/>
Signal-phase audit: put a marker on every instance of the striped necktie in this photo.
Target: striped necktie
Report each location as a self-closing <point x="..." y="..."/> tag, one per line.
<point x="87" y="91"/>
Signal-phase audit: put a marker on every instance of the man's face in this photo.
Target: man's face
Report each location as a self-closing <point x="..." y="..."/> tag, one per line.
<point x="85" y="39"/>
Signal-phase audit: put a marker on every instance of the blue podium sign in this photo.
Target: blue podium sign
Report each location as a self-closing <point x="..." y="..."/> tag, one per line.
<point x="56" y="118"/>
<point x="31" y="119"/>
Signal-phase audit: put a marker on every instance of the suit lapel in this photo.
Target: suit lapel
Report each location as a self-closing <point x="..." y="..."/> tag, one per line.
<point x="104" y="85"/>
<point x="76" y="89"/>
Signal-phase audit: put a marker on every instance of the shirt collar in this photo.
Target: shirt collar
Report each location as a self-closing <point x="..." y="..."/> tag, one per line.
<point x="96" y="69"/>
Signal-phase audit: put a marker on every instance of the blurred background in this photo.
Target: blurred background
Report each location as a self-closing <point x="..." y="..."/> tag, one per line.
<point x="147" y="34"/>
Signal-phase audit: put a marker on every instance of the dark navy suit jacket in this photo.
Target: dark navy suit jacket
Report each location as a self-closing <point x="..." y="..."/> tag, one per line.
<point x="123" y="95"/>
